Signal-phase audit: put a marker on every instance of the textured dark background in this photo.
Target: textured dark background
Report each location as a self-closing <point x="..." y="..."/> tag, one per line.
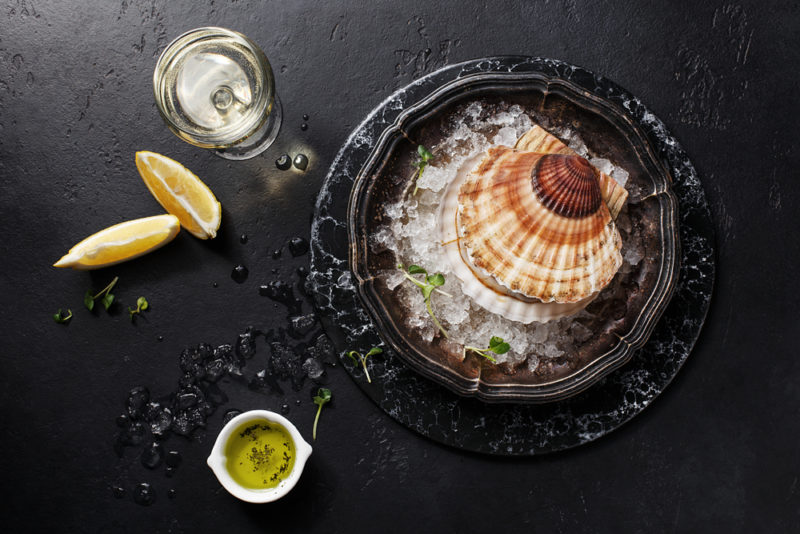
<point x="717" y="452"/>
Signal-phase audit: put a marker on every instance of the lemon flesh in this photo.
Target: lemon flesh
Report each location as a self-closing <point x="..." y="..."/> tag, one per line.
<point x="121" y="242"/>
<point x="181" y="193"/>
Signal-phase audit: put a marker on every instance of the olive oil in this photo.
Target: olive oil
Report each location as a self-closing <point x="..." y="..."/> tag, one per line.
<point x="259" y="454"/>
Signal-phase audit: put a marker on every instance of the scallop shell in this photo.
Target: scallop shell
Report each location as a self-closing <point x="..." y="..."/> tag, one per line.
<point x="481" y="286"/>
<point x="537" y="139"/>
<point x="537" y="224"/>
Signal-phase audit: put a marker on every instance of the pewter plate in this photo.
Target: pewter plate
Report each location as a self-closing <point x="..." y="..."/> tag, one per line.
<point x="619" y="327"/>
<point x="517" y="429"/>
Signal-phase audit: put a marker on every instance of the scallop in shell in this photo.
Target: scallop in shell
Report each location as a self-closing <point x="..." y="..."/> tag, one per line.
<point x="531" y="237"/>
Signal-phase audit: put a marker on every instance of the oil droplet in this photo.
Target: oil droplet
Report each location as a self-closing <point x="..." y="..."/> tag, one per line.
<point x="118" y="492"/>
<point x="285" y="409"/>
<point x="301" y="161"/>
<point x="276" y="254"/>
<point x="305" y="117"/>
<point x="304" y="127"/>
<point x="144" y="494"/>
<point x="152" y="455"/>
<point x="243" y="239"/>
<point x="172" y="493"/>
<point x="239" y="274"/>
<point x="283" y="162"/>
<point x="173" y="459"/>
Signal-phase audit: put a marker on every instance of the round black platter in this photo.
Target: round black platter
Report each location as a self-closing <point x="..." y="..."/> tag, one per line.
<point x="511" y="429"/>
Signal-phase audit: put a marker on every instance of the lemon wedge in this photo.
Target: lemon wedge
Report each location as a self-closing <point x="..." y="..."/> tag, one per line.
<point x="181" y="193"/>
<point x="121" y="242"/>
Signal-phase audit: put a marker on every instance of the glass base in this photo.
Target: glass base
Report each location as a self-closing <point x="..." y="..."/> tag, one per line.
<point x="260" y="140"/>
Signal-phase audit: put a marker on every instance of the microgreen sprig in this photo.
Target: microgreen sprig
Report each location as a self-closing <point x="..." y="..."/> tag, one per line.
<point x="141" y="305"/>
<point x="356" y="356"/>
<point x="323" y="397"/>
<point x="428" y="284"/>
<point x="60" y="318"/>
<point x="425" y="157"/>
<point x="105" y="294"/>
<point x="496" y="345"/>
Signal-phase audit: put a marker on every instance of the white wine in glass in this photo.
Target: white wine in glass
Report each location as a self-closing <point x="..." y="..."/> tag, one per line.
<point x="215" y="89"/>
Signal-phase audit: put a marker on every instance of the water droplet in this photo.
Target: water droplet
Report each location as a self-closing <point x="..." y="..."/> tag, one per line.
<point x="173" y="459"/>
<point x="298" y="246"/>
<point x="160" y="338"/>
<point x="214" y="284"/>
<point x="169" y="472"/>
<point x="144" y="494"/>
<point x="152" y="455"/>
<point x="230" y="414"/>
<point x="243" y="239"/>
<point x="283" y="162"/>
<point x="171" y="494"/>
<point x="305" y="117"/>
<point x="274" y="271"/>
<point x="304" y="127"/>
<point x="302" y="271"/>
<point x="301" y="162"/>
<point x="285" y="409"/>
<point x="297" y="402"/>
<point x="118" y="492"/>
<point x="276" y="254"/>
<point x="123" y="420"/>
<point x="239" y="274"/>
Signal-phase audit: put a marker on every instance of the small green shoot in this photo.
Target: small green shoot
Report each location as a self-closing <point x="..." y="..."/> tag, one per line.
<point x="428" y="284"/>
<point x="356" y="357"/>
<point x="141" y="305"/>
<point x="323" y="397"/>
<point x="496" y="346"/>
<point x="425" y="157"/>
<point x="105" y="294"/>
<point x="60" y="318"/>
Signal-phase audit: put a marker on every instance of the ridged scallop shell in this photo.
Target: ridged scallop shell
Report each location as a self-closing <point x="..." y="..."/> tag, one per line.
<point x="480" y="285"/>
<point x="537" y="224"/>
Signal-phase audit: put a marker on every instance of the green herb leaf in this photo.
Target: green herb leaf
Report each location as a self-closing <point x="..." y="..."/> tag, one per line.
<point x="425" y="156"/>
<point x="142" y="304"/>
<point x="424" y="153"/>
<point x="436" y="280"/>
<point x="427" y="287"/>
<point x="355" y="356"/>
<point x="373" y="351"/>
<point x="323" y="397"/>
<point x="502" y="348"/>
<point x="60" y="318"/>
<point x="108" y="300"/>
<point x="88" y="301"/>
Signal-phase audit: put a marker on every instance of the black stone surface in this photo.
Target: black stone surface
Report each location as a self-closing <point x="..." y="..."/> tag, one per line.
<point x="511" y="429"/>
<point x="716" y="453"/>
